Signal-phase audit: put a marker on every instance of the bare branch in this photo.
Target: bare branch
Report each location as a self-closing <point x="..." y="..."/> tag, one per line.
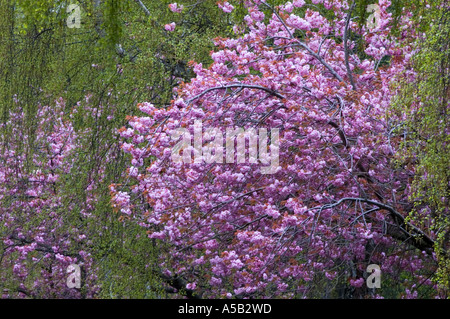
<point x="420" y="239"/>
<point x="303" y="45"/>
<point x="347" y="65"/>
<point x="237" y="85"/>
<point x="147" y="12"/>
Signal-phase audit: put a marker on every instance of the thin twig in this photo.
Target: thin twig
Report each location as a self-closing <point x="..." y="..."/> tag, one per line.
<point x="347" y="65"/>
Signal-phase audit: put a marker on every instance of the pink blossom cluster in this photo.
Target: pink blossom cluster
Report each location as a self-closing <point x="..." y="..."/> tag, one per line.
<point x="170" y="27"/>
<point x="174" y="7"/>
<point x="225" y="6"/>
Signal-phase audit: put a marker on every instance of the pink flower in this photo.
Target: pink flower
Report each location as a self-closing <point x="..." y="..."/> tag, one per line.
<point x="357" y="282"/>
<point x="170" y="27"/>
<point x="215" y="281"/>
<point x="175" y="8"/>
<point x="226" y="7"/>
<point x="191" y="286"/>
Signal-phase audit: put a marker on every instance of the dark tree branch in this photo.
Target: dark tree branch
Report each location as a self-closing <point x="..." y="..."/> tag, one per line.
<point x="237" y="85"/>
<point x="179" y="284"/>
<point x="403" y="229"/>
<point x="42" y="247"/>
<point x="347" y="65"/>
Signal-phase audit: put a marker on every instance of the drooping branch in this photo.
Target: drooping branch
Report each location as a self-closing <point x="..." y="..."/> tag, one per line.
<point x="237" y="85"/>
<point x="42" y="247"/>
<point x="419" y="240"/>
<point x="304" y="46"/>
<point x="102" y="33"/>
<point x="347" y="65"/>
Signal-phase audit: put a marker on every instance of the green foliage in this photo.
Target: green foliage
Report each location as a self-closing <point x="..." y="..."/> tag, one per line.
<point x="426" y="103"/>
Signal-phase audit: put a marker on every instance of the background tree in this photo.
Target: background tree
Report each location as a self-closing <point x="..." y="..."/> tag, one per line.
<point x="425" y="103"/>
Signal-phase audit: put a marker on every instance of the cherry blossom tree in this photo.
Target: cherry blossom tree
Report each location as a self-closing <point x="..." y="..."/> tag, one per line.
<point x="338" y="200"/>
<point x="40" y="238"/>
